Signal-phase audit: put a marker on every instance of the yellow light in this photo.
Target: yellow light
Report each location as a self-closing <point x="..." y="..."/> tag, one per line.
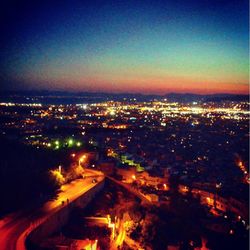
<point x="59" y="178"/>
<point x="82" y="158"/>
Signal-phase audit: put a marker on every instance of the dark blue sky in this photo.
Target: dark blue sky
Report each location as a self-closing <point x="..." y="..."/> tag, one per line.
<point x="126" y="46"/>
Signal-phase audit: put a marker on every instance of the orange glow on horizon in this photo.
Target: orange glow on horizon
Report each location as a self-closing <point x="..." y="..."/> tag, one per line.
<point x="149" y="85"/>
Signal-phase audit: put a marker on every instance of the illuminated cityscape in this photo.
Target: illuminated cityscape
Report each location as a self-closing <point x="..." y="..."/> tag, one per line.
<point x="124" y="125"/>
<point x="157" y="157"/>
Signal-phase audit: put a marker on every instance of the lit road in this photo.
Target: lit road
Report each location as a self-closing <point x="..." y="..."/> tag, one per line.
<point x="14" y="228"/>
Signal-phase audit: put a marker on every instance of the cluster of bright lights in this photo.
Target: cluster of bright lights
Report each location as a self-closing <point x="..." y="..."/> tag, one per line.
<point x="7" y="104"/>
<point x="57" y="144"/>
<point x="82" y="106"/>
<point x="113" y="109"/>
<point x="244" y="170"/>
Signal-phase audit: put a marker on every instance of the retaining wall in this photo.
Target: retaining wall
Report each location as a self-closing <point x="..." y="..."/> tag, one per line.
<point x="57" y="220"/>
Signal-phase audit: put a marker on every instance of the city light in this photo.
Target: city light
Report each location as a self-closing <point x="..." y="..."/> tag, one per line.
<point x="112" y="112"/>
<point x="70" y="142"/>
<point x="82" y="159"/>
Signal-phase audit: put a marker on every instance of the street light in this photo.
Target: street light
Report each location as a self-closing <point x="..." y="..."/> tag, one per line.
<point x="70" y="142"/>
<point x="57" y="144"/>
<point x="81" y="159"/>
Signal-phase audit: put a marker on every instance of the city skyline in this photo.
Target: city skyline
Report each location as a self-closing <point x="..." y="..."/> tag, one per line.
<point x="151" y="47"/>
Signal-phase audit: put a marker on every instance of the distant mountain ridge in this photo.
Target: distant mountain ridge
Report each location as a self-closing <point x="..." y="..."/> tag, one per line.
<point x="65" y="97"/>
<point x="188" y="97"/>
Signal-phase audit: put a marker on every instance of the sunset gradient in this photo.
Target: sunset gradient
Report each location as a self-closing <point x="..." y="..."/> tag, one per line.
<point x="148" y="47"/>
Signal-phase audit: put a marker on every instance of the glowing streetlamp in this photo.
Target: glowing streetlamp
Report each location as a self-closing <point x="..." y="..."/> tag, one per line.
<point x="81" y="159"/>
<point x="57" y="144"/>
<point x="70" y="142"/>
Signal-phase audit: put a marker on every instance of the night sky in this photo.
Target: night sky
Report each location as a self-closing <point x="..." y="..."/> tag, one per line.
<point x="125" y="46"/>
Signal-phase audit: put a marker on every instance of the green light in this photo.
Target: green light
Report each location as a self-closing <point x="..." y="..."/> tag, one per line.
<point x="70" y="142"/>
<point x="57" y="146"/>
<point x="57" y="142"/>
<point x="78" y="144"/>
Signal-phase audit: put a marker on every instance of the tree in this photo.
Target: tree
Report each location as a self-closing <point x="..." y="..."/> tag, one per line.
<point x="148" y="230"/>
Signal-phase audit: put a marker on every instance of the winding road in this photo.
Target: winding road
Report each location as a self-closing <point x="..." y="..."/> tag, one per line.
<point x="14" y="228"/>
